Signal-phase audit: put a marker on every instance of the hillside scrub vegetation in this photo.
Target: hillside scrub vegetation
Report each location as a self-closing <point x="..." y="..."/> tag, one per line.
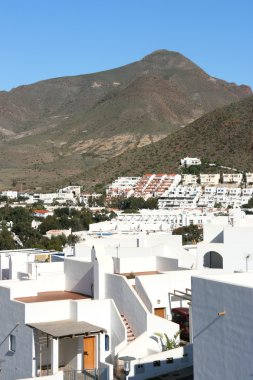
<point x="223" y="136"/>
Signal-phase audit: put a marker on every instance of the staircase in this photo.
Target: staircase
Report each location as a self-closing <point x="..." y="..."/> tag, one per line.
<point x="130" y="334"/>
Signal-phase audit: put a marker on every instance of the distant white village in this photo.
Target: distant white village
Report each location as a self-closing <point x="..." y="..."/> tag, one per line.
<point x="129" y="300"/>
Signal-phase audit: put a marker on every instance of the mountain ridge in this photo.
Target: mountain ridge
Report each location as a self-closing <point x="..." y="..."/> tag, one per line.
<point x="71" y="123"/>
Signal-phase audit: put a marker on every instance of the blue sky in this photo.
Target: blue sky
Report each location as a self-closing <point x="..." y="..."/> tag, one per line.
<point x="41" y="39"/>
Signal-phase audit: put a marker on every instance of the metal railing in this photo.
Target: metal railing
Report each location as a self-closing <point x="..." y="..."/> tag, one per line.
<point x="88" y="374"/>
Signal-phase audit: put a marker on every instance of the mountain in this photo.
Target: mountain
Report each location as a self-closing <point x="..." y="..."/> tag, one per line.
<point x="223" y="136"/>
<point x="60" y="127"/>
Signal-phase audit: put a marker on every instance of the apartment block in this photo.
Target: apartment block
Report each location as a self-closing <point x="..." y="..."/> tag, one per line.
<point x="209" y="179"/>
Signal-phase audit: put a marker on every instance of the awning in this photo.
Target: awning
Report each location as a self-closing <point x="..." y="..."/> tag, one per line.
<point x="67" y="328"/>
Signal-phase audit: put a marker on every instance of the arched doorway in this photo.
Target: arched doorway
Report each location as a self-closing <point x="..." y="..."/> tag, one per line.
<point x="213" y="259"/>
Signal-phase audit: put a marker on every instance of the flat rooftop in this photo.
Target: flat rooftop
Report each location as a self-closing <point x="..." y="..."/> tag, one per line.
<point x="53" y="296"/>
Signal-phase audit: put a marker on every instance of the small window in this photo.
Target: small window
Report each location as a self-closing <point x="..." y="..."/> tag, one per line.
<point x="12" y="343"/>
<point x="157" y="363"/>
<point x="107" y="342"/>
<point x="139" y="368"/>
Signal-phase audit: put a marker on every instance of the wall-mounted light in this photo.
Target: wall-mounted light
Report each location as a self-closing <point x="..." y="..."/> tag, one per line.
<point x="221" y="313"/>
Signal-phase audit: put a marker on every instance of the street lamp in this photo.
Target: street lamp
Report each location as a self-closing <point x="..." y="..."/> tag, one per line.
<point x="247" y="257"/>
<point x="127" y="363"/>
<point x="117" y="248"/>
<point x="116" y="261"/>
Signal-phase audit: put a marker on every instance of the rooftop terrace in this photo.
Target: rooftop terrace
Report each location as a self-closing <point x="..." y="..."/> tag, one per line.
<point x="53" y="296"/>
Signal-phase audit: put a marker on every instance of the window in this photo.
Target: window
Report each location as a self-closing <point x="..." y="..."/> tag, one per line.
<point x="139" y="368"/>
<point x="107" y="342"/>
<point x="12" y="343"/>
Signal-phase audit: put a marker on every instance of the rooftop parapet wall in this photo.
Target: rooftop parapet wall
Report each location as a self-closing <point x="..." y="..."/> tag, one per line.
<point x="79" y="276"/>
<point x="47" y="311"/>
<point x="30" y="288"/>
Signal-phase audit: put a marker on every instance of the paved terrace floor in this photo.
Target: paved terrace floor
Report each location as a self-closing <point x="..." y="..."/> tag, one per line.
<point x="53" y="296"/>
<point x="134" y="274"/>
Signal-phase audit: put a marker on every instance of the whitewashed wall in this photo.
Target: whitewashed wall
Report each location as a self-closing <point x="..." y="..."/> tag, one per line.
<point x="154" y="290"/>
<point x="79" y="276"/>
<point x="166" y="264"/>
<point x="68" y="352"/>
<point x="104" y="314"/>
<point x="144" y="368"/>
<point x="127" y="302"/>
<point x="238" y="243"/>
<point x="213" y="232"/>
<point x="32" y="287"/>
<point x="162" y="325"/>
<point x="17" y="263"/>
<point x="18" y="364"/>
<point x="42" y="269"/>
<point x="118" y="332"/>
<point x="137" y="264"/>
<point x="224" y="341"/>
<point x="47" y="311"/>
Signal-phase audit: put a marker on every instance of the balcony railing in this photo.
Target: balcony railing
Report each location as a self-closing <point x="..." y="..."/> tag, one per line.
<point x="90" y="374"/>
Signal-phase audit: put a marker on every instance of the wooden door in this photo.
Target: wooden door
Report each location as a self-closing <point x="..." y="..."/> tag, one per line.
<point x="89" y="356"/>
<point x="160" y="312"/>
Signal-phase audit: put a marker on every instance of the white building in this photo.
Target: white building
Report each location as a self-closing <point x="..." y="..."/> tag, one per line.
<point x="249" y="178"/>
<point x="84" y="319"/>
<point x="227" y="243"/>
<point x="235" y="191"/>
<point x="10" y="194"/>
<point x="232" y="178"/>
<point x="28" y="263"/>
<point x="210" y="190"/>
<point x="74" y="190"/>
<point x="151" y="221"/>
<point x="122" y="186"/>
<point x="189" y="161"/>
<point x="210" y="179"/>
<point x="222" y="320"/>
<point x="155" y="185"/>
<point x="49" y="198"/>
<point x="189" y="179"/>
<point x="180" y="197"/>
<point x="52" y="233"/>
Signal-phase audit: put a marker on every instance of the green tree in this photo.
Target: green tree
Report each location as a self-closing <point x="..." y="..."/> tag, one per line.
<point x="6" y="240"/>
<point x="191" y="234"/>
<point x="72" y="239"/>
<point x="62" y="211"/>
<point x="249" y="204"/>
<point x="103" y="215"/>
<point x="50" y="223"/>
<point x="86" y="218"/>
<point x="133" y="203"/>
<point x="151" y="203"/>
<point x="39" y="205"/>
